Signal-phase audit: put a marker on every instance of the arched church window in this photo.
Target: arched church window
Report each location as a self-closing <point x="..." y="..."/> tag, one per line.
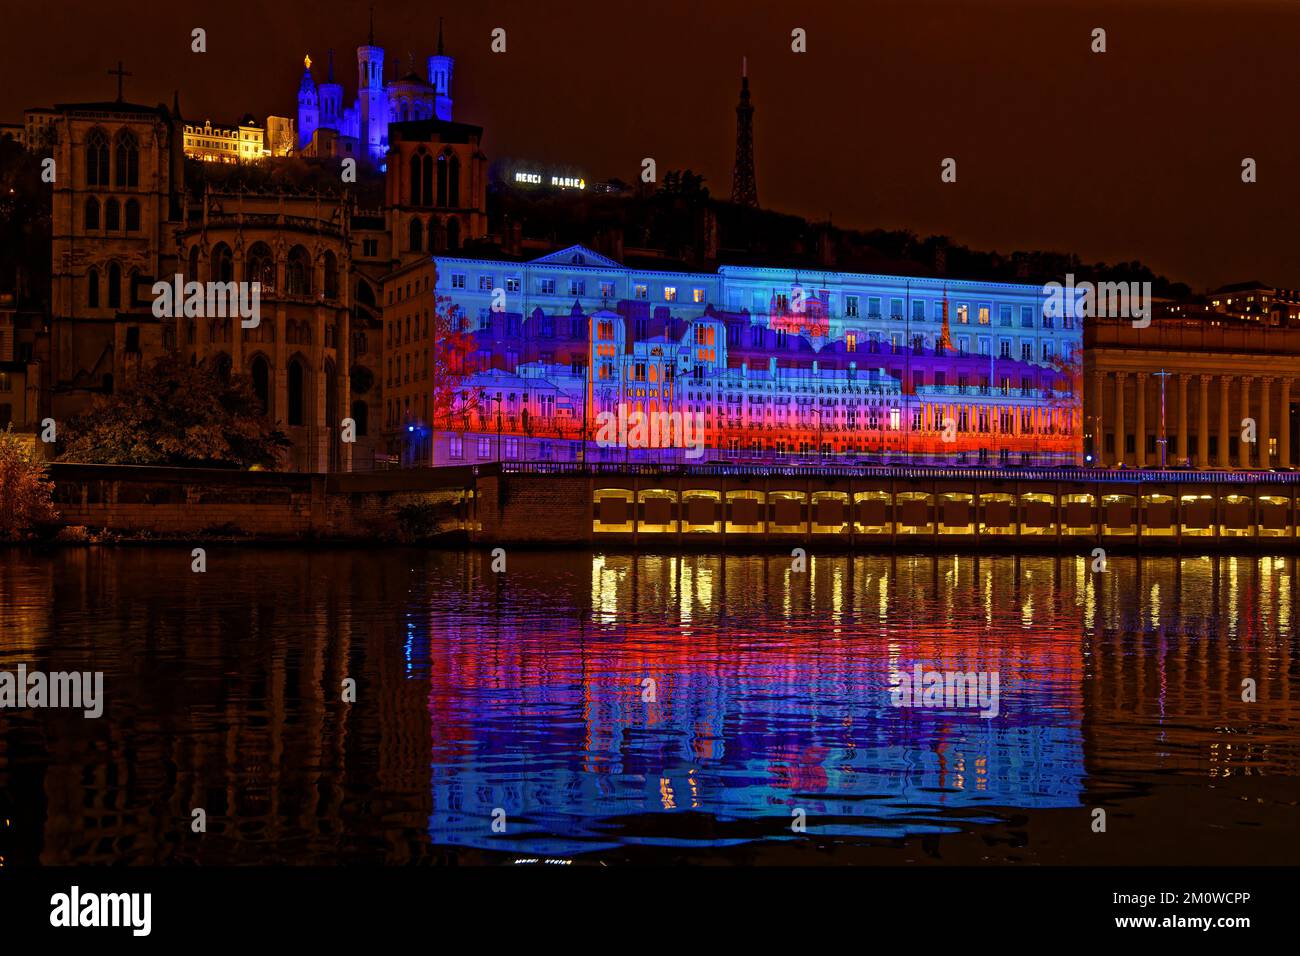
<point x="298" y="272"/>
<point x="453" y="181"/>
<point x="261" y="266"/>
<point x="92" y="213"/>
<point x="97" y="158"/>
<point x="223" y="264"/>
<point x="297" y="392"/>
<point x="415" y="234"/>
<point x="331" y="276"/>
<point x="417" y="198"/>
<point x="127" y="160"/>
<point x="261" y="372"/>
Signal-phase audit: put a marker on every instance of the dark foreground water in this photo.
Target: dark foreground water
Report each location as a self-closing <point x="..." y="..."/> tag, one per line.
<point x="613" y="708"/>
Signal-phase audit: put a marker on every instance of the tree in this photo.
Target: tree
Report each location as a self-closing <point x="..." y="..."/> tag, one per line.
<point x="451" y="362"/>
<point x="177" y="413"/>
<point x="25" y="491"/>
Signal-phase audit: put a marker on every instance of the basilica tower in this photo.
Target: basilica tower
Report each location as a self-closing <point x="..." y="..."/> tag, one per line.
<point x="331" y="100"/>
<point x="440" y="70"/>
<point x="308" y="105"/>
<point x="372" y="100"/>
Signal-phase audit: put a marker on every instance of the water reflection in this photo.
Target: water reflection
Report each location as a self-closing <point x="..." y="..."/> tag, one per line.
<point x="611" y="703"/>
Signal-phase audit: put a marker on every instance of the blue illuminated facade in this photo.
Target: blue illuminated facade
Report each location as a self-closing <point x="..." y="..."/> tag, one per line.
<point x="779" y="362"/>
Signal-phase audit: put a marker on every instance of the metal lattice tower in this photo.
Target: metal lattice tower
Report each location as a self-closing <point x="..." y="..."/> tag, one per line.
<point x="744" y="188"/>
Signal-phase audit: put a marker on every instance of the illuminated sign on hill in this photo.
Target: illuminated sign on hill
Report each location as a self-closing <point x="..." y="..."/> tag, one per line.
<point x="525" y="178"/>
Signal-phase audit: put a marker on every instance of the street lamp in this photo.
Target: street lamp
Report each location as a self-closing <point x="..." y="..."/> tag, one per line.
<point x="497" y="399"/>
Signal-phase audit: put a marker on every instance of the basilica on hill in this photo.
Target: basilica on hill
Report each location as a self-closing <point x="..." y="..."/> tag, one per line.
<point x="327" y="127"/>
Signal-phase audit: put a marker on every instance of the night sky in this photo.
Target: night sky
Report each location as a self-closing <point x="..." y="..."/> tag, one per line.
<point x="1135" y="153"/>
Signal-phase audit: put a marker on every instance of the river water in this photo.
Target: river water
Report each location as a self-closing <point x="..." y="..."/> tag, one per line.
<point x="615" y="708"/>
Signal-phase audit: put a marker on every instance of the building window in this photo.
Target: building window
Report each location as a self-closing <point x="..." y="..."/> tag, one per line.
<point x="851" y="342"/>
<point x="1004" y="316"/>
<point x="547" y="287"/>
<point x="297" y="393"/>
<point x="512" y="283"/>
<point x="126" y="160"/>
<point x="458" y="280"/>
<point x="1026" y="316"/>
<point x="484" y="448"/>
<point x="1026" y="351"/>
<point x="642" y="292"/>
<point x="456" y="447"/>
<point x="486" y="283"/>
<point x="983" y="314"/>
<point x="963" y="314"/>
<point x="511" y="448"/>
<point x="918" y="311"/>
<point x="873" y="307"/>
<point x="851" y="306"/>
<point x="607" y="290"/>
<point x="97" y="158"/>
<point x="114" y="286"/>
<point x="895" y="308"/>
<point x="577" y="287"/>
<point x="697" y="295"/>
<point x="670" y="293"/>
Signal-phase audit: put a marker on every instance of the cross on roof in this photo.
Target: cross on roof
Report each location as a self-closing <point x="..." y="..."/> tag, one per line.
<point x="119" y="73"/>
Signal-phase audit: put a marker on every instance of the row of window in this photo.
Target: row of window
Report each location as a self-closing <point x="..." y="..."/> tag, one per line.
<point x="125" y="150"/>
<point x="114" y="215"/>
<point x="260" y="267"/>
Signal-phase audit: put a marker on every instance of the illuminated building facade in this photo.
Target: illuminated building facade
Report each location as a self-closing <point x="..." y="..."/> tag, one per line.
<point x="1186" y="392"/>
<point x="778" y="364"/>
<point x="362" y="128"/>
<point x="1258" y="302"/>
<point x="244" y="142"/>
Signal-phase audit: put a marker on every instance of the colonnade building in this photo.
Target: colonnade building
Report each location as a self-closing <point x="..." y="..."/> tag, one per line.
<point x="1213" y="392"/>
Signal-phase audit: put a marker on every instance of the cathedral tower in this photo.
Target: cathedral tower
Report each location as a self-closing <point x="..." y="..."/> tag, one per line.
<point x="372" y="100"/>
<point x="308" y="105"/>
<point x="440" y="70"/>
<point x="331" y="100"/>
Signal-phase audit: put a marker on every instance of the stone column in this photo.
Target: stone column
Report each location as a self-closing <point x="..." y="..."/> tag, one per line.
<point x="1243" y="448"/>
<point x="1265" y="420"/>
<point x="1184" y="456"/>
<point x="1225" y="385"/>
<point x="1203" y="425"/>
<point x="1284" y="425"/>
<point x="1140" y="420"/>
<point x="1119" y="417"/>
<point x="1098" y="422"/>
